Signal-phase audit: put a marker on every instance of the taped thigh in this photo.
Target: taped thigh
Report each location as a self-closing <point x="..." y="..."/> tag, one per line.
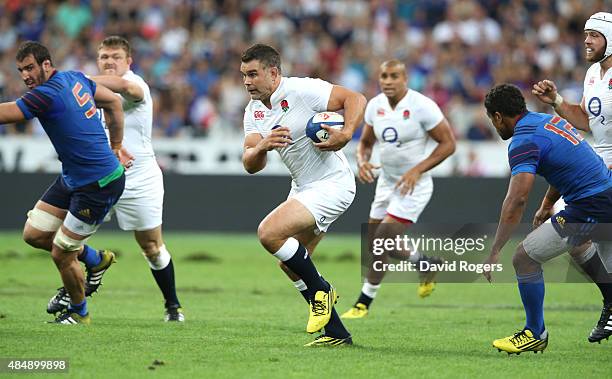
<point x="43" y="220"/>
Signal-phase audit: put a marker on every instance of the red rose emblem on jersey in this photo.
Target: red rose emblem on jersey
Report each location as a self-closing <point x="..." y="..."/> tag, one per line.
<point x="406" y="114"/>
<point x="284" y="105"/>
<point x="380" y="112"/>
<point x="610" y="84"/>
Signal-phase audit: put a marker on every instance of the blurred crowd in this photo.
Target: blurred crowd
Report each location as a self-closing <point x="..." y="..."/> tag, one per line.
<point x="188" y="51"/>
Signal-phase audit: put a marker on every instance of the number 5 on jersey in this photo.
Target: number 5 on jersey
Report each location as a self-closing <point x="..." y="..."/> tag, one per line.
<point x="83" y="99"/>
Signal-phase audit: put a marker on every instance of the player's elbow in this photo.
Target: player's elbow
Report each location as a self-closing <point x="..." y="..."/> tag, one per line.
<point x="360" y="99"/>
<point x="249" y="167"/>
<point x="517" y="201"/>
<point x="451" y="145"/>
<point x="251" y="170"/>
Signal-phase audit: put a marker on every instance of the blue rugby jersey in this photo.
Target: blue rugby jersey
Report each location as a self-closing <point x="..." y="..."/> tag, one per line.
<point x="65" y="107"/>
<point x="549" y="146"/>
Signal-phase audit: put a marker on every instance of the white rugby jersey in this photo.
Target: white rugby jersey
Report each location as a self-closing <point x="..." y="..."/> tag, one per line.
<point x="598" y="106"/>
<point x="294" y="102"/>
<point x="402" y="132"/>
<point x="138" y="121"/>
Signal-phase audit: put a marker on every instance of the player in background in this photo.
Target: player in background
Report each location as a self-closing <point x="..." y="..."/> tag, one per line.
<point x="140" y="207"/>
<point x="92" y="177"/>
<point x="593" y="114"/>
<point x="401" y="120"/>
<point x="549" y="146"/>
<point x="323" y="185"/>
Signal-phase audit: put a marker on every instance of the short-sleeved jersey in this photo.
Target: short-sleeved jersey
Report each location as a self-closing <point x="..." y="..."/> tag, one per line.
<point x="598" y="106"/>
<point x="402" y="132"/>
<point x="294" y="102"/>
<point x="65" y="107"/>
<point x="549" y="146"/>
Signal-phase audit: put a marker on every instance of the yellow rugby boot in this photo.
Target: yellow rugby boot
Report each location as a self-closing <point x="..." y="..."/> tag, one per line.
<point x="320" y="309"/>
<point x="522" y="341"/>
<point x="359" y="310"/>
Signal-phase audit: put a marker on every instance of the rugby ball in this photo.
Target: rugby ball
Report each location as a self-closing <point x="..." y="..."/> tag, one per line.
<point x="313" y="127"/>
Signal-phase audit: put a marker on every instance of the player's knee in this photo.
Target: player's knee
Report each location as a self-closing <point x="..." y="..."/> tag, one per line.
<point x="158" y="258"/>
<point x="38" y="239"/>
<point x="39" y="229"/>
<point x="67" y="243"/>
<point x="151" y="249"/>
<point x="267" y="236"/>
<point x="522" y="261"/>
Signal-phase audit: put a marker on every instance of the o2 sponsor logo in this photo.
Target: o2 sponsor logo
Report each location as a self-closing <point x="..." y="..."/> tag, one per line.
<point x="389" y="134"/>
<point x="259" y="115"/>
<point x="595" y="106"/>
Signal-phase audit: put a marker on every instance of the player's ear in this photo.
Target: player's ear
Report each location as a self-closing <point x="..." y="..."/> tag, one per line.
<point x="46" y="65"/>
<point x="274" y="72"/>
<point x="129" y="61"/>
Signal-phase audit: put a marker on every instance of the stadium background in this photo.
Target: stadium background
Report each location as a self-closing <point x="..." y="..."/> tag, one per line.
<point x="188" y="52"/>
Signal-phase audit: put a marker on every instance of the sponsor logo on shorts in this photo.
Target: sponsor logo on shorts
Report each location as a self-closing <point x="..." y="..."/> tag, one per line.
<point x="322" y="219"/>
<point x="560" y="220"/>
<point x="85" y="212"/>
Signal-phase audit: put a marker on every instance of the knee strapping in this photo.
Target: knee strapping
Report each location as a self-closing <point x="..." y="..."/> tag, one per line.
<point x="43" y="220"/>
<point x="67" y="243"/>
<point x="160" y="261"/>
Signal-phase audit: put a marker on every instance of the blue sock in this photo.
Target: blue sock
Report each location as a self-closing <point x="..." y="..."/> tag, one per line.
<point x="301" y="264"/>
<point x="80" y="308"/>
<point x="531" y="287"/>
<point x="90" y="257"/>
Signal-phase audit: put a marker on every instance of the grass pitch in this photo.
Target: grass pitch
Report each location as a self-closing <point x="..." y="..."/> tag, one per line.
<point x="245" y="319"/>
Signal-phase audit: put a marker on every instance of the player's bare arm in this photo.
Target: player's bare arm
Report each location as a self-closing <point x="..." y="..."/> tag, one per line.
<point x="364" y="152"/>
<point x="10" y="112"/>
<point x="256" y="148"/>
<point x="546" y="208"/>
<point x="511" y="214"/>
<point x="546" y="92"/>
<point x="443" y="135"/>
<point x="126" y="88"/>
<point x="353" y="104"/>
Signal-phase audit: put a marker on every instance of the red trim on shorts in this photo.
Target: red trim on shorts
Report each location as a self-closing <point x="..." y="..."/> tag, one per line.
<point x="402" y="220"/>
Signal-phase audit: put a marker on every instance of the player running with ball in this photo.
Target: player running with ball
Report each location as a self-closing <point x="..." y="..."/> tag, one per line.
<point x="323" y="185"/>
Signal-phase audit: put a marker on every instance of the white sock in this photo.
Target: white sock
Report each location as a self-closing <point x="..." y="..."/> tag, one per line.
<point x="300" y="285"/>
<point x="161" y="261"/>
<point x="288" y="250"/>
<point x="370" y="289"/>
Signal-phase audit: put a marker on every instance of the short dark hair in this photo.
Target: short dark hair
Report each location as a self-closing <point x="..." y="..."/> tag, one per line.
<point x="117" y="42"/>
<point x="267" y="55"/>
<point x="36" y="49"/>
<point x="506" y="99"/>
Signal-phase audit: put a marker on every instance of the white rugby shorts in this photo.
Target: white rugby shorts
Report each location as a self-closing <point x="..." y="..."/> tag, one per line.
<point x="141" y="205"/>
<point x="326" y="199"/>
<point x="389" y="200"/>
